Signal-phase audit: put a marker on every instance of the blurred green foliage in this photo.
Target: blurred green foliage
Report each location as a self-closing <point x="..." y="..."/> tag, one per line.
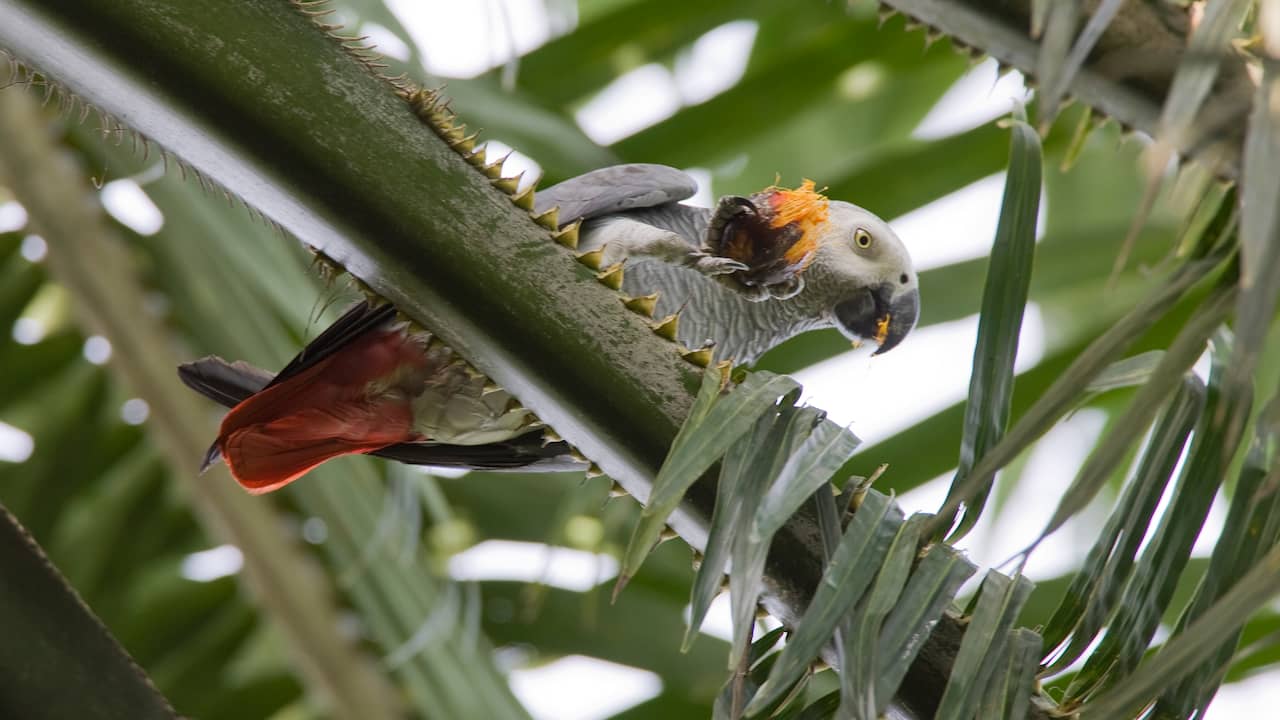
<point x="828" y="92"/>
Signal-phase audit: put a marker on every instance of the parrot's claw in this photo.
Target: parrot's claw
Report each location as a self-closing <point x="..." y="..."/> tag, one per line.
<point x="713" y="265"/>
<point x="753" y="293"/>
<point x="786" y="289"/>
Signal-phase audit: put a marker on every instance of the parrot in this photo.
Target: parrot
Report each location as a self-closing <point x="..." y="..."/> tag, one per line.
<point x="744" y="276"/>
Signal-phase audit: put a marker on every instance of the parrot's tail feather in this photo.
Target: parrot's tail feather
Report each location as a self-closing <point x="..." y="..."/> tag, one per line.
<point x="322" y="411"/>
<point x="266" y="456"/>
<point x="211" y="456"/>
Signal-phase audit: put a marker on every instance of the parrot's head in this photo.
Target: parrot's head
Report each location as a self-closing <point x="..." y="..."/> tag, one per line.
<point x="865" y="275"/>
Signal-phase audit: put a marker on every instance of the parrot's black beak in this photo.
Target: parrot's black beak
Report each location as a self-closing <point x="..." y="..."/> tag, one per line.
<point x="879" y="314"/>
<point x="904" y="311"/>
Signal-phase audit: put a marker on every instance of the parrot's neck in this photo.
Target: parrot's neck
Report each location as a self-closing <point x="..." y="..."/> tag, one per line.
<point x="741" y="330"/>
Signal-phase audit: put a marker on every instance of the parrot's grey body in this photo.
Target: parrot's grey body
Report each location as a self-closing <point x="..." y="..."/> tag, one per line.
<point x="633" y="211"/>
<point x="743" y="277"/>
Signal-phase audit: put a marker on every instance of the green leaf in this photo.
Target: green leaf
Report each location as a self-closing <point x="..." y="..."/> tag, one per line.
<point x="725" y="521"/>
<point x="1150" y="588"/>
<point x="1259" y="646"/>
<point x="785" y="90"/>
<point x="985" y="645"/>
<point x="1260" y="186"/>
<point x="1062" y="395"/>
<point x="1039" y="15"/>
<point x="1012" y="685"/>
<point x="1065" y="67"/>
<point x="826" y="450"/>
<point x="57" y="660"/>
<point x="1207" y="208"/>
<point x="1153" y="395"/>
<point x="932" y="587"/>
<point x="1183" y="653"/>
<point x="714" y="424"/>
<point x="1251" y="528"/>
<point x="850" y="574"/>
<point x="880" y="183"/>
<point x="758" y="663"/>
<point x="506" y="114"/>
<point x="20" y="280"/>
<point x="871" y="107"/>
<point x="378" y="12"/>
<point x="861" y="636"/>
<point x="609" y="44"/>
<point x="1198" y="69"/>
<point x="28" y="368"/>
<point x="748" y="556"/>
<point x="1095" y="588"/>
<point x="1003" y="301"/>
<point x="94" y="532"/>
<point x="1259" y="246"/>
<point x="1129" y="372"/>
<point x="640" y="630"/>
<point x="555" y="142"/>
<point x="823" y="708"/>
<point x="1059" y="23"/>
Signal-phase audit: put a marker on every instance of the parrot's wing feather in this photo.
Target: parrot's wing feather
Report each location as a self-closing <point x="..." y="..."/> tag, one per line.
<point x="361" y="318"/>
<point x="616" y="189"/>
<point x="516" y="453"/>
<point x="226" y="383"/>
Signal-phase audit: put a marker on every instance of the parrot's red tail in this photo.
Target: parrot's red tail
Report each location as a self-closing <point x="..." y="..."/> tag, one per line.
<point x="356" y="400"/>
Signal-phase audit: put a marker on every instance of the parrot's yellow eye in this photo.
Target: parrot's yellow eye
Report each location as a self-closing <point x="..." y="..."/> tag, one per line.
<point x="862" y="238"/>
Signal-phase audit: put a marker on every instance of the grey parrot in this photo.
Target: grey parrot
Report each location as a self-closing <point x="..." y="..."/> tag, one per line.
<point x="745" y="276"/>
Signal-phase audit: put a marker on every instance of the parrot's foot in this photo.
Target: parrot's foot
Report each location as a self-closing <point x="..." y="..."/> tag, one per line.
<point x="707" y="260"/>
<point x="729" y="209"/>
<point x="737" y="218"/>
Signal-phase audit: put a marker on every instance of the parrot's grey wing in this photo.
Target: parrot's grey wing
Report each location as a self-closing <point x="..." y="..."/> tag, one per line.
<point x="615" y="189"/>
<point x="228" y="383"/>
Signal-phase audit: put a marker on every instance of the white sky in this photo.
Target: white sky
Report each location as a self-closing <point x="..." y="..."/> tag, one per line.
<point x="877" y="397"/>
